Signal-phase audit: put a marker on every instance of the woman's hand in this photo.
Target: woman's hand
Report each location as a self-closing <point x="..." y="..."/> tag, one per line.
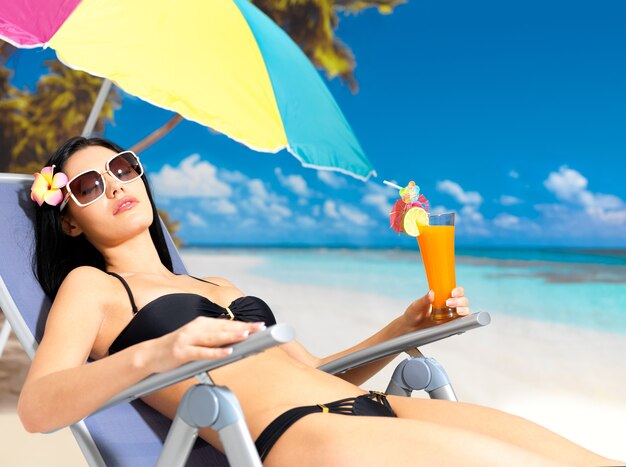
<point x="200" y="339"/>
<point x="417" y="315"/>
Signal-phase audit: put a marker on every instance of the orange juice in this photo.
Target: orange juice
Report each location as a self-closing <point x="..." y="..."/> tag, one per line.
<point x="436" y="244"/>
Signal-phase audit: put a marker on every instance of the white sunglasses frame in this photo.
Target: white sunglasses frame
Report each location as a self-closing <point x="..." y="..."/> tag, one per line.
<point x="69" y="195"/>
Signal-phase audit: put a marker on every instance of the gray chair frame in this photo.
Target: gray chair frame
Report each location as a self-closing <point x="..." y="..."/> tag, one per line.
<point x="5" y="332"/>
<point x="208" y="405"/>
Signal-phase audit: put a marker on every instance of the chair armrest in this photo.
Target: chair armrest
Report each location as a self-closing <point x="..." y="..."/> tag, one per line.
<point x="258" y="342"/>
<point x="405" y="342"/>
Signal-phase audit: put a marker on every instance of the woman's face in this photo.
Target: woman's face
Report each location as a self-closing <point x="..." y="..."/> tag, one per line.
<point x="121" y="213"/>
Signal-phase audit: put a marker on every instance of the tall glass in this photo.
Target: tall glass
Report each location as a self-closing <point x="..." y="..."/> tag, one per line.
<point x="436" y="242"/>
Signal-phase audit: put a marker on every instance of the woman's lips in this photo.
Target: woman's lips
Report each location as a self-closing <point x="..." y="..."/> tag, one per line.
<point x="126" y="203"/>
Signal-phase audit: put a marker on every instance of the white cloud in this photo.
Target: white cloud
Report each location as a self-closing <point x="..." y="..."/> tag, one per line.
<point x="380" y="202"/>
<point x="257" y="189"/>
<point x="344" y="213"/>
<point x="218" y="206"/>
<point x="506" y="221"/>
<point x="513" y="174"/>
<point x="250" y="195"/>
<point x="567" y="184"/>
<point x="380" y="197"/>
<point x="232" y="177"/>
<point x="354" y="215"/>
<point x="264" y="203"/>
<point x="248" y="222"/>
<point x="192" y="178"/>
<point x="570" y="186"/>
<point x="464" y="197"/>
<point x="506" y="200"/>
<point x="472" y="213"/>
<point x="469" y="220"/>
<point x="220" y="192"/>
<point x="552" y="210"/>
<point x="306" y="221"/>
<point x="195" y="220"/>
<point x="294" y="183"/>
<point x="331" y="179"/>
<point x="439" y="209"/>
<point x="330" y="209"/>
<point x="613" y="217"/>
<point x="279" y="211"/>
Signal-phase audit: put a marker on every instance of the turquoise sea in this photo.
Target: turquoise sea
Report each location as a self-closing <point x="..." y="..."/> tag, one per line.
<point x="585" y="288"/>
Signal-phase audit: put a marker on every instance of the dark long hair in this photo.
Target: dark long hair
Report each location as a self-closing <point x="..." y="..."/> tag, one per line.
<point x="56" y="253"/>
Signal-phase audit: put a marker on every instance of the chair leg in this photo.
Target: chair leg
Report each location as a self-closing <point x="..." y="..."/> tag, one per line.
<point x="417" y="373"/>
<point x="4" y="335"/>
<point x="178" y="444"/>
<point x="205" y="405"/>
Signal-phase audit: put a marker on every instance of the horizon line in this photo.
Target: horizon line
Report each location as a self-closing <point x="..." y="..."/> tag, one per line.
<point x="294" y="246"/>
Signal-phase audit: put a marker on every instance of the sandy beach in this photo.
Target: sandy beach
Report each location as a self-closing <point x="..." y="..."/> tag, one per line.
<point x="568" y="379"/>
<point x="20" y="448"/>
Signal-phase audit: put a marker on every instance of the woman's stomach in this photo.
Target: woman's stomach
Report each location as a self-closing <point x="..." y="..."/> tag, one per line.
<point x="269" y="383"/>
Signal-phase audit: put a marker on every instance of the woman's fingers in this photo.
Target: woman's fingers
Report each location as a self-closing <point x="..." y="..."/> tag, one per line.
<point x="205" y="338"/>
<point x="212" y="332"/>
<point x="201" y="339"/>
<point x="426" y="300"/>
<point x="207" y="353"/>
<point x="430" y="296"/>
<point x="458" y="292"/>
<point x="218" y="324"/>
<point x="219" y="338"/>
<point x="457" y="302"/>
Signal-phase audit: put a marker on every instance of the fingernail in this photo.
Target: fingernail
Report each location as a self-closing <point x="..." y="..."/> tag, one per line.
<point x="451" y="302"/>
<point x="245" y="333"/>
<point x="259" y="325"/>
<point x="228" y="350"/>
<point x="454" y="293"/>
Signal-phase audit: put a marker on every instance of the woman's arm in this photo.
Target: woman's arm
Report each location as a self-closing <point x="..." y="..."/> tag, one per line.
<point x="415" y="317"/>
<point x="61" y="389"/>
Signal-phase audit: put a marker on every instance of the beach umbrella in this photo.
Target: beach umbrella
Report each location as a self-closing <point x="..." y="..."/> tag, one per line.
<point x="221" y="63"/>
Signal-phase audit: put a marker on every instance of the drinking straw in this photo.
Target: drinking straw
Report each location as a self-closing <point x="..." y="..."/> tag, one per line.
<point x="393" y="185"/>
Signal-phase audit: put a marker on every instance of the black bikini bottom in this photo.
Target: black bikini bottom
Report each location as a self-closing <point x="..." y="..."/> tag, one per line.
<point x="372" y="404"/>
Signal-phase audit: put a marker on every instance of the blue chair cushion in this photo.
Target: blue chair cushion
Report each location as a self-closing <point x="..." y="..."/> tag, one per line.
<point x="130" y="434"/>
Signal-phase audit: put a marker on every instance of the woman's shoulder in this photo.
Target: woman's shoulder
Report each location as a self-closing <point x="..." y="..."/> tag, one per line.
<point x="223" y="283"/>
<point x="85" y="287"/>
<point x="87" y="279"/>
<point x="85" y="274"/>
<point x="219" y="281"/>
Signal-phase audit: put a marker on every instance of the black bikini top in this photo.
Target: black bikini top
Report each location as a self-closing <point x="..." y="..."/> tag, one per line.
<point x="171" y="311"/>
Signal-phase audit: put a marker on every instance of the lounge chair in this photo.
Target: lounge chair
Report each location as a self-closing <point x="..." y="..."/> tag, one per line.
<point x="125" y="431"/>
<point x="4" y="335"/>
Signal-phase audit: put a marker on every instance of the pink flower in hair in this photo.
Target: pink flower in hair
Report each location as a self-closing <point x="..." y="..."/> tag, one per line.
<point x="47" y="187"/>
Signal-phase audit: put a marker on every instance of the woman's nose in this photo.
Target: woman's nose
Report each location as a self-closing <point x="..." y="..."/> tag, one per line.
<point x="113" y="185"/>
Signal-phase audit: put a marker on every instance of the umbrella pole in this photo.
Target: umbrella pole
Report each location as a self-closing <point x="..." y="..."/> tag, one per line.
<point x="97" y="107"/>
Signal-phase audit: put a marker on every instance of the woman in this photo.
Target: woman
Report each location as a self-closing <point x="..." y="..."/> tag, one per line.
<point x="98" y="250"/>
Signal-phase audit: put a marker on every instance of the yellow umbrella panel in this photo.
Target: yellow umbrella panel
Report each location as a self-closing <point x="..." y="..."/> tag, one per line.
<point x="221" y="63"/>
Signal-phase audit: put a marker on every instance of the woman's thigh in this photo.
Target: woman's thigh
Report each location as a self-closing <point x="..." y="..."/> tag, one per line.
<point x="343" y="440"/>
<point x="494" y="423"/>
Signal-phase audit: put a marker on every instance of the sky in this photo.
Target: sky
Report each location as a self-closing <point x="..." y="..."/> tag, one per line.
<point x="511" y="114"/>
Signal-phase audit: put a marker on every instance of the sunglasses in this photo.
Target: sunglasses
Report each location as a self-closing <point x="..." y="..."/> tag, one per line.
<point x="89" y="186"/>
